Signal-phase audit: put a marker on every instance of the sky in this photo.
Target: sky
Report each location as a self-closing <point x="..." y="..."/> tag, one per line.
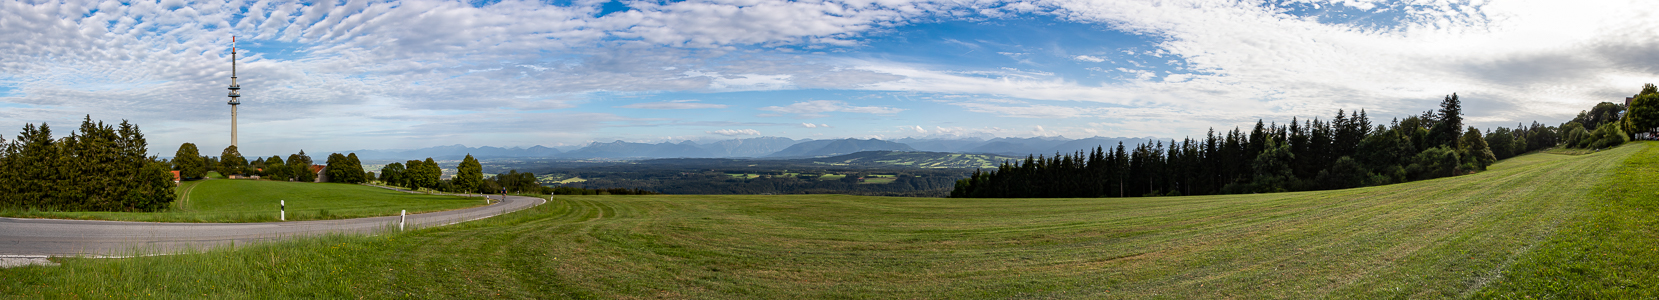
<point x="341" y="75"/>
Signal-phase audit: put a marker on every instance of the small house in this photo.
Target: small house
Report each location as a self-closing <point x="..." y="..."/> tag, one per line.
<point x="320" y="171"/>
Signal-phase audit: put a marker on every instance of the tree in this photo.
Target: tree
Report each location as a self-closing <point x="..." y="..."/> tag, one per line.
<point x="1502" y="142"/>
<point x="421" y="174"/>
<point x="1344" y="173"/>
<point x="1607" y="136"/>
<point x="1576" y="135"/>
<point x="357" y="173"/>
<point x="1434" y="163"/>
<point x="1448" y="124"/>
<point x="275" y="169"/>
<point x="98" y="168"/>
<point x="468" y="175"/>
<point x="1643" y="115"/>
<point x="516" y="182"/>
<point x="231" y="161"/>
<point x="1600" y="114"/>
<point x="1475" y="150"/>
<point x="337" y="170"/>
<point x="1272" y="168"/>
<point x="433" y="174"/>
<point x="391" y="174"/>
<point x="188" y="161"/>
<point x="300" y="166"/>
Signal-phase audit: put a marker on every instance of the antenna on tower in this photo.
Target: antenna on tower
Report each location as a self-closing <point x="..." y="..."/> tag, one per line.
<point x="235" y="91"/>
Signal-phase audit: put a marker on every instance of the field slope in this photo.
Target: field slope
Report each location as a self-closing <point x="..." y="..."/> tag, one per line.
<point x="236" y="201"/>
<point x="1520" y="229"/>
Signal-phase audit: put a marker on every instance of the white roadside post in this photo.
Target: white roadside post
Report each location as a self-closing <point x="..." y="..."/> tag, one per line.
<point x="283" y="205"/>
<point x="402" y="216"/>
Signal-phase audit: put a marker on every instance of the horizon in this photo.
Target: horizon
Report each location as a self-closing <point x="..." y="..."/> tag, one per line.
<point x="387" y="75"/>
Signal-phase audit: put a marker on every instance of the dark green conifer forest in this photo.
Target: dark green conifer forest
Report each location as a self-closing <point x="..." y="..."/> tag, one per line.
<point x="99" y="167"/>
<point x="1347" y="151"/>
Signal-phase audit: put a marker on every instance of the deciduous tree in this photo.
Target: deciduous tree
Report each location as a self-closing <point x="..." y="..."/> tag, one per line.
<point x="468" y="175"/>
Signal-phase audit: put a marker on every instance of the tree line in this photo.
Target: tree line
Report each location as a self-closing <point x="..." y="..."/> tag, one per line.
<point x="1347" y="151"/>
<point x="339" y="168"/>
<point x="672" y="180"/>
<point x="100" y="167"/>
<point x="469" y="178"/>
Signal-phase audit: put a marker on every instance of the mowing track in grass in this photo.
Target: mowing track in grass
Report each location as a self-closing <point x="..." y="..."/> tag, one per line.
<point x="1481" y="234"/>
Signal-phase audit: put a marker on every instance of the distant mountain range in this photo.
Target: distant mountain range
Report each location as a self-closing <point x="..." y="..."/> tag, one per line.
<point x="763" y="147"/>
<point x="838" y="147"/>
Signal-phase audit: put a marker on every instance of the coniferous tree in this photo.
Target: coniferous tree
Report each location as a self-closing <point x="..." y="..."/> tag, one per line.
<point x="1448" y="123"/>
<point x="98" y="168"/>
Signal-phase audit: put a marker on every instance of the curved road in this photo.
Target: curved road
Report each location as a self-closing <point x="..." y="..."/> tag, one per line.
<point x="50" y="237"/>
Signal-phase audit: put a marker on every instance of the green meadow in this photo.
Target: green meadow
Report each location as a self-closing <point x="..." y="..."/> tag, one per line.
<point x="237" y="200"/>
<point x="1540" y="226"/>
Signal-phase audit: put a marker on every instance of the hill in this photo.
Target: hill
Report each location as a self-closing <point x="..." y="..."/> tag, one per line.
<point x="750" y="147"/>
<point x="770" y="147"/>
<point x="1538" y="226"/>
<point x="913" y="159"/>
<point x="453" y="152"/>
<point x="838" y="147"/>
<point x="621" y="149"/>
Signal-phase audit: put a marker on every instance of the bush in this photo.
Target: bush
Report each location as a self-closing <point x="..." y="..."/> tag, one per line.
<point x="1606" y="136"/>
<point x="1434" y="163"/>
<point x="1344" y="173"/>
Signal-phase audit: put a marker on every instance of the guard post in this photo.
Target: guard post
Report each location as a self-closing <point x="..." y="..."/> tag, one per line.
<point x="283" y="205"/>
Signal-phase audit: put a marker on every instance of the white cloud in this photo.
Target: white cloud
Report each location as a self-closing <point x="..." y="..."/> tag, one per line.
<point x="810" y="125"/>
<point x="444" y="64"/>
<point x="675" y="104"/>
<point x="817" y="108"/>
<point x="1521" y="60"/>
<point x="735" y="132"/>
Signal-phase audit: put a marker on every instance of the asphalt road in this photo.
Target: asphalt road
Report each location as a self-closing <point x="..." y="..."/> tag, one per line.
<point x="48" y="237"/>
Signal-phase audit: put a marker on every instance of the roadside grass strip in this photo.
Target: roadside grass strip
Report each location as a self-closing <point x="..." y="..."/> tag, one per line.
<point x="1542" y="225"/>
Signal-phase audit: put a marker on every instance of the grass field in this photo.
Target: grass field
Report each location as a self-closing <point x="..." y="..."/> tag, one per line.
<point x="236" y="201"/>
<point x="1540" y="226"/>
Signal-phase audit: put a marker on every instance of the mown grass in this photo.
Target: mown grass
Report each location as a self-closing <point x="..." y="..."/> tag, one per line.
<point x="1610" y="252"/>
<point x="1496" y="233"/>
<point x="237" y="201"/>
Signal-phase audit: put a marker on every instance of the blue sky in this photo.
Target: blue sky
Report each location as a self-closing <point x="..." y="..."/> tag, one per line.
<point x="337" y="75"/>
